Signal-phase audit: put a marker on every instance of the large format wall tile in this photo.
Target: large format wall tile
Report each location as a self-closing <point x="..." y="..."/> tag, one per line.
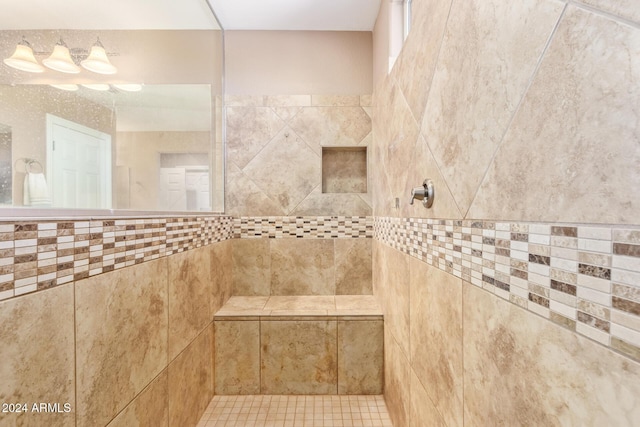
<point x="190" y="293"/>
<point x="249" y="129"/>
<point x="121" y="338"/>
<point x="298" y="357"/>
<point x="436" y="337"/>
<point x="353" y="266"/>
<point x="397" y="381"/>
<point x="394" y="283"/>
<point x="521" y="369"/>
<point x="302" y="267"/>
<point x="237" y="357"/>
<point x="37" y="354"/>
<point x="572" y="153"/>
<point x="221" y="273"/>
<point x="396" y="137"/>
<point x="488" y="56"/>
<point x="243" y="196"/>
<point x="629" y="9"/>
<point x="191" y="381"/>
<point x="251" y="267"/>
<point x="275" y="146"/>
<point x="423" y="166"/>
<point x="422" y="413"/>
<point x="360" y="356"/>
<point x="149" y="408"/>
<point x="414" y="68"/>
<point x="331" y="126"/>
<point x="286" y="169"/>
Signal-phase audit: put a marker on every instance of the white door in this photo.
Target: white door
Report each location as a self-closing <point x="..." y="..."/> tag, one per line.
<point x="78" y="165"/>
<point x="197" y="183"/>
<point x="173" y="193"/>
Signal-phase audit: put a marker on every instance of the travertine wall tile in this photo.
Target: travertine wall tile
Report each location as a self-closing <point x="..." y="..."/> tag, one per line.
<point x="397" y="381"/>
<point x="588" y="82"/>
<point x="249" y="129"/>
<point x="251" y="267"/>
<point x="628" y="9"/>
<point x="422" y="413"/>
<point x="436" y="338"/>
<point x="121" y="338"/>
<point x="302" y="267"/>
<point x="272" y="169"/>
<point x="506" y="347"/>
<point x="298" y="357"/>
<point x="37" y="353"/>
<point x="149" y="408"/>
<point x="489" y="53"/>
<point x="191" y="381"/>
<point x="190" y="294"/>
<point x="394" y="284"/>
<point x="420" y="53"/>
<point x="221" y="274"/>
<point x="237" y="357"/>
<point x="353" y="266"/>
<point x="360" y="357"/>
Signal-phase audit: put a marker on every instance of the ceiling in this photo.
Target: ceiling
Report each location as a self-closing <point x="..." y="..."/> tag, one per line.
<point x="317" y="15"/>
<point x="106" y="15"/>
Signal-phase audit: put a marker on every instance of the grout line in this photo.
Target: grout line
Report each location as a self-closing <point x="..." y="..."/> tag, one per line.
<point x="603" y="13"/>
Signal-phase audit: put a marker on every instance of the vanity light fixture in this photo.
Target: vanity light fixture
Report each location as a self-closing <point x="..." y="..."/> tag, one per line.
<point x="23" y="59"/>
<point x="60" y="59"/>
<point x="97" y="61"/>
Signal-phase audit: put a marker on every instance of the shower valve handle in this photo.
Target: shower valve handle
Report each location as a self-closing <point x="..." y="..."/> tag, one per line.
<point x="424" y="193"/>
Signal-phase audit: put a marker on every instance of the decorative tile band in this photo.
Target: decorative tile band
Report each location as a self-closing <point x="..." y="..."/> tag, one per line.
<point x="42" y="254"/>
<point x="321" y="227"/>
<point x="585" y="278"/>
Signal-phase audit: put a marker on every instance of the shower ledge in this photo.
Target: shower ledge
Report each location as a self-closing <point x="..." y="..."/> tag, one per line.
<point x="359" y="307"/>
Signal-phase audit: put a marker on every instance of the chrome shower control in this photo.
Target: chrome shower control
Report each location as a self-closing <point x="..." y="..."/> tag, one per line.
<point x="425" y="193"/>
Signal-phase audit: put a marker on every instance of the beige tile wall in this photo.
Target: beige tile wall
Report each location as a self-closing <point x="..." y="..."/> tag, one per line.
<point x="143" y="347"/>
<point x="523" y="113"/>
<point x="274" y="153"/>
<point x="323" y="255"/>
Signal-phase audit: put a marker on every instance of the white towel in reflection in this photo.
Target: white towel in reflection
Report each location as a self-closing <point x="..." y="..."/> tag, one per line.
<point x="36" y="192"/>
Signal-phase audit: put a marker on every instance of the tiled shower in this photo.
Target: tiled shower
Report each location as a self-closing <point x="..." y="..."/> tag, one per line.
<point x="515" y="300"/>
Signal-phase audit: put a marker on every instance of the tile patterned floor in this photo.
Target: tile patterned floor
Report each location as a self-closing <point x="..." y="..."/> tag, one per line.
<point x="296" y="411"/>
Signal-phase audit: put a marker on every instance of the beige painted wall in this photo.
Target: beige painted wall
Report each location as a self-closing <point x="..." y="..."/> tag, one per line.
<point x="298" y="62"/>
<point x="524" y="112"/>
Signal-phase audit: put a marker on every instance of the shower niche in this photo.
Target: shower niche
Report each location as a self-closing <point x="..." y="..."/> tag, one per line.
<point x="344" y="170"/>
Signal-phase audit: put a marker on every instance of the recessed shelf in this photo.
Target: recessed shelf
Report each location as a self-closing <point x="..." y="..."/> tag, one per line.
<point x="344" y="169"/>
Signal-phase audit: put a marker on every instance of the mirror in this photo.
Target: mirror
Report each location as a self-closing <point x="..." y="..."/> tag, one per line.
<point x="147" y="136"/>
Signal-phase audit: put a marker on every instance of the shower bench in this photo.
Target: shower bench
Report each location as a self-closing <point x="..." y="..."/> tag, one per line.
<point x="299" y="345"/>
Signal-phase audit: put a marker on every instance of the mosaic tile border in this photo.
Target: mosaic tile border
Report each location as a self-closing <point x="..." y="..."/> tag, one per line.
<point x="583" y="277"/>
<point x="320" y="227"/>
<point x="37" y="255"/>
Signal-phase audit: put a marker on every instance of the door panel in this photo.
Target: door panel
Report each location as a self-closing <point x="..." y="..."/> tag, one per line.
<point x="78" y="165"/>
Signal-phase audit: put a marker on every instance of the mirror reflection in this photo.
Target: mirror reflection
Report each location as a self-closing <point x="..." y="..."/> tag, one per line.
<point x="124" y="118"/>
